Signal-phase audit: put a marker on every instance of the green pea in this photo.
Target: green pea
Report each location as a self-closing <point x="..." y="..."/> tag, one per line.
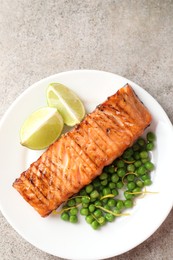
<point x="92" y="200"/>
<point x="131" y="185"/>
<point x="85" y="199"/>
<point x="96" y="183"/>
<point x="149" y="166"/>
<point x="109" y="217"/>
<point x="95" y="225"/>
<point x="103" y="176"/>
<point x="120" y="184"/>
<point x="151" y="137"/>
<point x="73" y="211"/>
<point x="120" y="204"/>
<point x="82" y="192"/>
<point x="131" y="159"/>
<point x="141" y="170"/>
<point x="100" y="188"/>
<point x="131" y="168"/>
<point x="111" y="203"/>
<point x="137" y="164"/>
<point x="120" y="164"/>
<point x="141" y="142"/>
<point x="84" y="211"/>
<point x="139" y="183"/>
<point x="150" y="146"/>
<point x="65" y="216"/>
<point x="114" y="192"/>
<point x="128" y="153"/>
<point x="127" y="195"/>
<point x="89" y="188"/>
<point x="117" y="211"/>
<point x="111" y="169"/>
<point x="101" y="220"/>
<point x="136" y="155"/>
<point x="136" y="190"/>
<point x="104" y="201"/>
<point x="143" y="155"/>
<point x="98" y="203"/>
<point x="128" y="203"/>
<point x="145" y="160"/>
<point x="91" y="207"/>
<point x="114" y="178"/>
<point x="71" y="202"/>
<point x="121" y="172"/>
<point x="136" y="147"/>
<point x="107" y="207"/>
<point x="97" y="213"/>
<point x="130" y="177"/>
<point x="73" y="219"/>
<point x="106" y="191"/>
<point x="89" y="219"/>
<point x="85" y="205"/>
<point x="104" y="182"/>
<point x="145" y="177"/>
<point x="94" y="194"/>
<point x="147" y="182"/>
<point x="78" y="200"/>
<point x="112" y="185"/>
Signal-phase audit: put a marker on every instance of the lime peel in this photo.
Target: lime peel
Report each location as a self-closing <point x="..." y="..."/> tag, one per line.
<point x="67" y="102"/>
<point x="41" y="128"/>
<point x="39" y="124"/>
<point x="66" y="106"/>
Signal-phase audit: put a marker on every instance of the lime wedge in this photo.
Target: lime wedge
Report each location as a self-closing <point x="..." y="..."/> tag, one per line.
<point x="41" y="128"/>
<point x="67" y="102"/>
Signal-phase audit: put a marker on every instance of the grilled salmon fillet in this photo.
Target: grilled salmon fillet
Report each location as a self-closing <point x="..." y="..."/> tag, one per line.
<point x="79" y="156"/>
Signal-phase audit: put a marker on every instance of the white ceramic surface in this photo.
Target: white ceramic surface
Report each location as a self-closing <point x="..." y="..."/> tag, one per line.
<point x="79" y="241"/>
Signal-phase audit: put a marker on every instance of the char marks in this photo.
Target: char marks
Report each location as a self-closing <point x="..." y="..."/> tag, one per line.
<point x="79" y="156"/>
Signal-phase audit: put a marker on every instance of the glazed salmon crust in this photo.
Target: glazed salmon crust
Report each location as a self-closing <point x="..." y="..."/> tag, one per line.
<point x="79" y="156"/>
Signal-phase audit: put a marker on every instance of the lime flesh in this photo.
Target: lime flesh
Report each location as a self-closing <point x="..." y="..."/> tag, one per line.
<point x="41" y="128"/>
<point x="67" y="102"/>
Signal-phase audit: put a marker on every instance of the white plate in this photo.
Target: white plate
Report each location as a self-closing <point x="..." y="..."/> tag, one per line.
<point x="80" y="241"/>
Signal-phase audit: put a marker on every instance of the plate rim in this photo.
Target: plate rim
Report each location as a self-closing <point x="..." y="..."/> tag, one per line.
<point x="52" y="76"/>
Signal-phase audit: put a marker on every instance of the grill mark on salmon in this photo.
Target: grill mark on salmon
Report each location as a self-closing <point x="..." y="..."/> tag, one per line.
<point x="54" y="185"/>
<point x="99" y="142"/>
<point x="43" y="189"/>
<point x="96" y="141"/>
<point x="96" y="132"/>
<point x="77" y="139"/>
<point x="63" y="154"/>
<point x="86" y="171"/>
<point x="123" y="128"/>
<point x="89" y="147"/>
<point x="32" y="194"/>
<point x="120" y="119"/>
<point x="110" y="148"/>
<point x="79" y="156"/>
<point x="50" y="176"/>
<point x="117" y="136"/>
<point x="31" y="197"/>
<point x="107" y="134"/>
<point x="78" y="171"/>
<point x="85" y="159"/>
<point x="57" y="168"/>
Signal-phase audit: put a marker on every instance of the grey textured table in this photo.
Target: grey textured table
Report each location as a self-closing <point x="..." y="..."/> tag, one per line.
<point x="134" y="39"/>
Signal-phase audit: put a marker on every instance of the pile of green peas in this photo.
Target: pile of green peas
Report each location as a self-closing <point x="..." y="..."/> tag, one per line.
<point x="100" y="201"/>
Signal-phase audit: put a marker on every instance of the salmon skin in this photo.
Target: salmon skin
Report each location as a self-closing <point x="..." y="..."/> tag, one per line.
<point x="79" y="156"/>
